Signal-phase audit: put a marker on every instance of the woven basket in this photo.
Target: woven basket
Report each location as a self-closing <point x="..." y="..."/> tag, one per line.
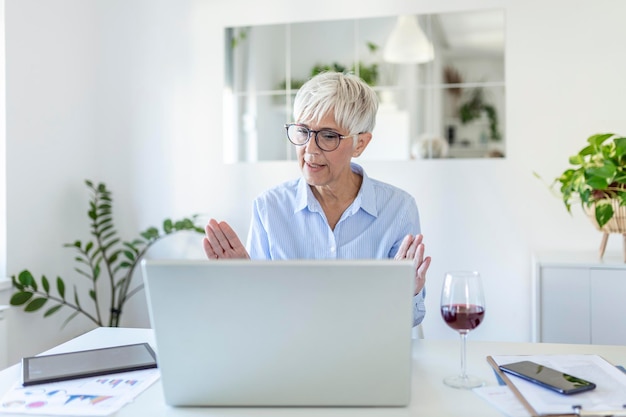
<point x="617" y="224"/>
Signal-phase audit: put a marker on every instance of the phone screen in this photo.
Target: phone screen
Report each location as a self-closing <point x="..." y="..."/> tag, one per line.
<point x="548" y="377"/>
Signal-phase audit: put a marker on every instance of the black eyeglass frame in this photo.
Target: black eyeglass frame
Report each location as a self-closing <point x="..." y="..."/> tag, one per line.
<point x="310" y="131"/>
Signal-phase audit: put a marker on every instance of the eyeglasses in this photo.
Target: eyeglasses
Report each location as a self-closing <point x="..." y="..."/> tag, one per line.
<point x="326" y="140"/>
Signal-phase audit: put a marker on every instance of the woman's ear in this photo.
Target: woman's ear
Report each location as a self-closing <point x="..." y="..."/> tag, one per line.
<point x="361" y="143"/>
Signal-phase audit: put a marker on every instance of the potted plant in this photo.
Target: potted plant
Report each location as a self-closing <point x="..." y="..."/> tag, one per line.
<point x="475" y="107"/>
<point x="597" y="179"/>
<point x="106" y="256"/>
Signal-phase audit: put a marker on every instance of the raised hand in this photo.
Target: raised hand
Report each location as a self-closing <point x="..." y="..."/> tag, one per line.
<point x="221" y="242"/>
<point x="413" y="248"/>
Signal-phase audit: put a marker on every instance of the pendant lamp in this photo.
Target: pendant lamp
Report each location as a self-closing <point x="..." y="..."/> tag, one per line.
<point x="407" y="43"/>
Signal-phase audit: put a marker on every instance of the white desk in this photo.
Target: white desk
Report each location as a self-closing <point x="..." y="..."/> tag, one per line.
<point x="432" y="361"/>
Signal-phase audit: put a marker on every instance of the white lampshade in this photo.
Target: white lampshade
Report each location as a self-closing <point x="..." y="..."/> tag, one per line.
<point x="407" y="43"/>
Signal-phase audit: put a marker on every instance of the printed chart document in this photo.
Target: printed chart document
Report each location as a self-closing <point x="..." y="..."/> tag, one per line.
<point x="608" y="398"/>
<point x="93" y="396"/>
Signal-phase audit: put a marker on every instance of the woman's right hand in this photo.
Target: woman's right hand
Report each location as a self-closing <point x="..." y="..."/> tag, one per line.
<point x="221" y="242"/>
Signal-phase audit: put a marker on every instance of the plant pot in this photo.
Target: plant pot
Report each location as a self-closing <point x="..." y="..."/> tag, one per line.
<point x="617" y="224"/>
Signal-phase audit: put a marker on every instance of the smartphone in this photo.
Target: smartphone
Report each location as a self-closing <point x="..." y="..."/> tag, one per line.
<point x="547" y="377"/>
<point x="87" y="363"/>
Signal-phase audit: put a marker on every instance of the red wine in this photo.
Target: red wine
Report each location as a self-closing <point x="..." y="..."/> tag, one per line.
<point x="463" y="317"/>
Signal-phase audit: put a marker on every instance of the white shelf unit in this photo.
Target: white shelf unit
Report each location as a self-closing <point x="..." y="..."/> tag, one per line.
<point x="4" y="336"/>
<point x="578" y="298"/>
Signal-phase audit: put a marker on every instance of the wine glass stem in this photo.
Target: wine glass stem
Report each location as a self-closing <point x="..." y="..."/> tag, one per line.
<point x="463" y="355"/>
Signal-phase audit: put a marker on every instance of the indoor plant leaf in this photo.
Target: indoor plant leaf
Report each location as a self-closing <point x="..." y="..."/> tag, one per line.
<point x="603" y="213"/>
<point x="36" y="304"/>
<point x="21" y="297"/>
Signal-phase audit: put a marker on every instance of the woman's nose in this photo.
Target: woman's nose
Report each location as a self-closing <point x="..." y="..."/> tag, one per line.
<point x="311" y="145"/>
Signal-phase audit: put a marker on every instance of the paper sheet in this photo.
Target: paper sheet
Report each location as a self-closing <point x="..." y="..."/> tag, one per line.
<point x="501" y="397"/>
<point x="610" y="393"/>
<point x="95" y="396"/>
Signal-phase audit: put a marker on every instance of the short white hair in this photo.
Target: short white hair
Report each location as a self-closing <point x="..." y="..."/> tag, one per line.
<point x="352" y="102"/>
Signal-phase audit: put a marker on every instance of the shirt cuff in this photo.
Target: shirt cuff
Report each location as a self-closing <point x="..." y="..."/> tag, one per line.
<point x="419" y="307"/>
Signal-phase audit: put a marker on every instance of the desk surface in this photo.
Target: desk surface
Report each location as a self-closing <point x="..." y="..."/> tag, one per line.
<point x="432" y="361"/>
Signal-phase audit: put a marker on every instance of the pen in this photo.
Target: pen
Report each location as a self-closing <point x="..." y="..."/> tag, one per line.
<point x="607" y="413"/>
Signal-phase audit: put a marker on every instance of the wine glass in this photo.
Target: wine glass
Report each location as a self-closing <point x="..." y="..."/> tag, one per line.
<point x="463" y="309"/>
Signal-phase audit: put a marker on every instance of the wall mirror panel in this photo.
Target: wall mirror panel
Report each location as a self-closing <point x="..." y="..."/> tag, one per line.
<point x="443" y="98"/>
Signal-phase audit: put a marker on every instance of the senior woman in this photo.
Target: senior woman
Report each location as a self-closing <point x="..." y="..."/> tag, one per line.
<point x="334" y="210"/>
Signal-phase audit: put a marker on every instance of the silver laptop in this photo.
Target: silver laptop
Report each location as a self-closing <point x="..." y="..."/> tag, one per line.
<point x="282" y="333"/>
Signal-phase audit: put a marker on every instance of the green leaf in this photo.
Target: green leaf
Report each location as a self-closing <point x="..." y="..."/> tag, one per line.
<point x="607" y="170"/>
<point x="61" y="288"/>
<point x="92" y="294"/>
<point x="150" y="233"/>
<point x="620" y="146"/>
<point x="110" y="244"/>
<point x="598" y="183"/>
<point x="36" y="304"/>
<point x="74" y="314"/>
<point x="604" y="212"/>
<point x="120" y="283"/>
<point x="16" y="283"/>
<point x="45" y="284"/>
<point x="83" y="273"/>
<point x="597" y="140"/>
<point x="131" y="246"/>
<point x="184" y="224"/>
<point x="167" y="226"/>
<point x="105" y="228"/>
<point x="76" y="300"/>
<point x="576" y="160"/>
<point x="20" y="298"/>
<point x="588" y="150"/>
<point x="109" y="235"/>
<point x="52" y="310"/>
<point x="26" y="279"/>
<point x="113" y="258"/>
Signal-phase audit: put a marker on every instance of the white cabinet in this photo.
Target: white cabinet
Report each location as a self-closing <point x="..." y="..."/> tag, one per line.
<point x="608" y="293"/>
<point x="4" y="345"/>
<point x="579" y="299"/>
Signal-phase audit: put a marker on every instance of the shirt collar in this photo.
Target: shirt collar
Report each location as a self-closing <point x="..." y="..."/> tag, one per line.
<point x="365" y="199"/>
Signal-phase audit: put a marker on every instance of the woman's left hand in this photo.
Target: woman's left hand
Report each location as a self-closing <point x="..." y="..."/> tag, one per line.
<point x="413" y="248"/>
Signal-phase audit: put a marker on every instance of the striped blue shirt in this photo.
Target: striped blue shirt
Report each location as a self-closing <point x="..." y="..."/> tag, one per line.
<point x="289" y="223"/>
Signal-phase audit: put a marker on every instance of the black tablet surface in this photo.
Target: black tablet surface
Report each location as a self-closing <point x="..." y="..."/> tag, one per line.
<point x="86" y="363"/>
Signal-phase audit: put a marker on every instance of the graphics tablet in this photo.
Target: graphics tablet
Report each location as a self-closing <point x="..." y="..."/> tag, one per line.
<point x="86" y="363"/>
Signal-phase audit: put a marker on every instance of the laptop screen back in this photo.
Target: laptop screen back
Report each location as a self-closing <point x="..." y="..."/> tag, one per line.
<point x="282" y="333"/>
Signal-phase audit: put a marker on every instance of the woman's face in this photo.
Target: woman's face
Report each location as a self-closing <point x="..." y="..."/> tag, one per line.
<point x="323" y="168"/>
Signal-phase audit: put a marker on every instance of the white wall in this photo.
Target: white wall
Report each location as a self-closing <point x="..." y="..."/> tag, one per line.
<point x="129" y="92"/>
<point x="3" y="176"/>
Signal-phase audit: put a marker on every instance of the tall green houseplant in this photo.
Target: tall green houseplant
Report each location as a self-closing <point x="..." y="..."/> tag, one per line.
<point x="105" y="257"/>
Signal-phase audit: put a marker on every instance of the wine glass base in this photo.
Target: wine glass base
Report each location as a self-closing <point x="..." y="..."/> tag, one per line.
<point x="463" y="382"/>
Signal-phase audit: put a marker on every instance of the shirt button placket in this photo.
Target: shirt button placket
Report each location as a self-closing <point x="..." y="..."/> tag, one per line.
<point x="332" y="246"/>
